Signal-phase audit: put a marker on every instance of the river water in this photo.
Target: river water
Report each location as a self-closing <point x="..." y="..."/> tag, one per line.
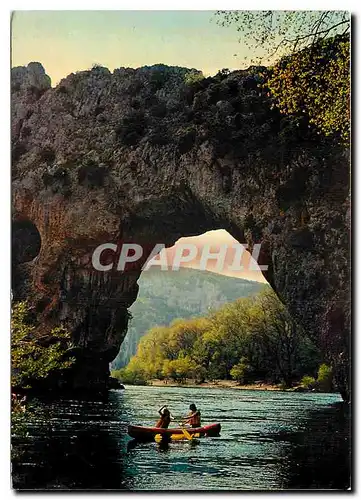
<point x="269" y="441"/>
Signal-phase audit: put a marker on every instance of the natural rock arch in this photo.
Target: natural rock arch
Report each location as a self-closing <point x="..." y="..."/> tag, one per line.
<point x="138" y="155"/>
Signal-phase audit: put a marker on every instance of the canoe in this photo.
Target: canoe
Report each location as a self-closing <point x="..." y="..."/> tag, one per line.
<point x="148" y="433"/>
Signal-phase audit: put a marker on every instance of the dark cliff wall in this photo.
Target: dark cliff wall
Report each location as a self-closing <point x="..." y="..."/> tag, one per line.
<point x="138" y="155"/>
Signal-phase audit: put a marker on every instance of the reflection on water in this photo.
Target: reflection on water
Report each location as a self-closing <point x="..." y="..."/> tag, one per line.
<point x="269" y="441"/>
<point x="327" y="430"/>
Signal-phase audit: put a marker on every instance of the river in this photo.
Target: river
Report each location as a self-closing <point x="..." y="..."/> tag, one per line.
<point x="270" y="440"/>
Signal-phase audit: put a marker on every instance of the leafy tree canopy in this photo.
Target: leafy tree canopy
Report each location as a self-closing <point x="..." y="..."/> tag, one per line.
<point x="30" y="359"/>
<point x="312" y="79"/>
<point x="249" y="340"/>
<point x="316" y="82"/>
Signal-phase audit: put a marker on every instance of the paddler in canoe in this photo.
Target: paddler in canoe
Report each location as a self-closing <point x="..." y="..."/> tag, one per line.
<point x="162" y="431"/>
<point x="165" y="418"/>
<point x="163" y="423"/>
<point x="194" y="417"/>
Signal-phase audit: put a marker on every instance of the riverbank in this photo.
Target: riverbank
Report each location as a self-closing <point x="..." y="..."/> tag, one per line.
<point x="219" y="384"/>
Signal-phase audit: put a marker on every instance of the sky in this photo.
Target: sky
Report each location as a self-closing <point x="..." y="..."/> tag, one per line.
<point x="215" y="240"/>
<point x="68" y="41"/>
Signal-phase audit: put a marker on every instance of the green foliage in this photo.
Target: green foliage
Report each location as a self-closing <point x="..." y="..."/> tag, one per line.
<point x="179" y="370"/>
<point x="158" y="77"/>
<point x="324" y="378"/>
<point x="250" y="339"/>
<point x="222" y="74"/>
<point x="164" y="296"/>
<point x="30" y="359"/>
<point x="324" y="382"/>
<point x="316" y="83"/>
<point x="308" y="382"/>
<point x="312" y="79"/>
<point x="132" y="376"/>
<point x="193" y="77"/>
<point x="241" y="371"/>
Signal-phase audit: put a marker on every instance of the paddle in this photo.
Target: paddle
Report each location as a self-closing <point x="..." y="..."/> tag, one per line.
<point x="185" y="432"/>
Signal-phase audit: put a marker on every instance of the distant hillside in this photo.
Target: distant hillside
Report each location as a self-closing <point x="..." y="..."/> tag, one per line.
<point x="166" y="295"/>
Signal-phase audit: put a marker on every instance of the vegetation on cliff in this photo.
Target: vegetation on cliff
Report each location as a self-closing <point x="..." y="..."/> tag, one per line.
<point x="311" y="79"/>
<point x="315" y="83"/>
<point x="249" y="340"/>
<point x="33" y="358"/>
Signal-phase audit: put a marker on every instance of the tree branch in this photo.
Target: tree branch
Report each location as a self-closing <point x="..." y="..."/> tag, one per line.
<point x="326" y="31"/>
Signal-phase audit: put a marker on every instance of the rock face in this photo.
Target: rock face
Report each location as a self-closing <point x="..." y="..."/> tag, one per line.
<point x="141" y="156"/>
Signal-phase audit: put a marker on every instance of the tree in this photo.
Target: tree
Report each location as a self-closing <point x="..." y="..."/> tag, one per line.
<point x="272" y="33"/>
<point x="150" y="354"/>
<point x="316" y="82"/>
<point x="193" y="77"/>
<point x="324" y="378"/>
<point x="249" y="339"/>
<point x="32" y="360"/>
<point x="279" y="335"/>
<point x="311" y="81"/>
<point x="180" y="369"/>
<point x="241" y="371"/>
<point x="130" y="375"/>
<point x="183" y="334"/>
<point x="308" y="382"/>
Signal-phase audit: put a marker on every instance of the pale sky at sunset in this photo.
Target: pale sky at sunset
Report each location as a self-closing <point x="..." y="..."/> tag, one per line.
<point x="68" y="41"/>
<point x="215" y="239"/>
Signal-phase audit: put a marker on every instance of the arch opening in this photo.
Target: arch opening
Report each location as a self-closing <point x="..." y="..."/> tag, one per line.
<point x="212" y="275"/>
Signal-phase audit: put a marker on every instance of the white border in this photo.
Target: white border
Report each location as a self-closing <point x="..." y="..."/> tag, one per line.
<point x="5" y="9"/>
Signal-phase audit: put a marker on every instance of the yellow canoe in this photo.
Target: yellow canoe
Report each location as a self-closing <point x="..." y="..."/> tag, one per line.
<point x="173" y="437"/>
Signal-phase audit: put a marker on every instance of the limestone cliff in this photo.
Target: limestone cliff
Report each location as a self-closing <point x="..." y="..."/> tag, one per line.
<point x="139" y="155"/>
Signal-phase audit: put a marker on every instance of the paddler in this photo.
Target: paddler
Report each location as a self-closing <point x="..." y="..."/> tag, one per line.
<point x="194" y="417"/>
<point x="165" y="417"/>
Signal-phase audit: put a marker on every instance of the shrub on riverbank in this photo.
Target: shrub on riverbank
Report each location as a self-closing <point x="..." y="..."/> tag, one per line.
<point x="325" y="378"/>
<point x="324" y="382"/>
<point x="308" y="382"/>
<point x="241" y="372"/>
<point x="131" y="377"/>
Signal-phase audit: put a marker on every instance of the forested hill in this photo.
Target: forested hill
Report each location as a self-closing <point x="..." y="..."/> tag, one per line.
<point x="166" y="295"/>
